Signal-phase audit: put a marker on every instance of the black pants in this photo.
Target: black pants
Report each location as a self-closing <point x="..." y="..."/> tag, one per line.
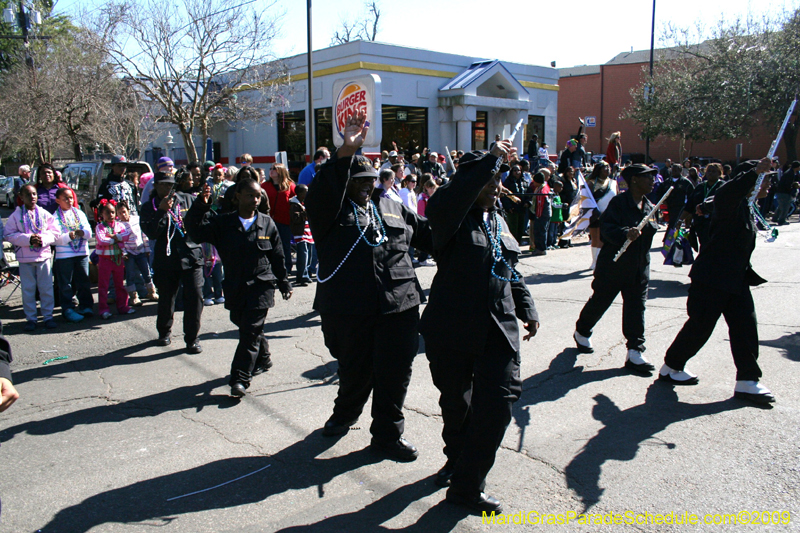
<point x="704" y="307"/>
<point x="375" y="353"/>
<point x="477" y="392"/>
<point x="167" y="282"/>
<point x="634" y="295"/>
<point x="253" y="347"/>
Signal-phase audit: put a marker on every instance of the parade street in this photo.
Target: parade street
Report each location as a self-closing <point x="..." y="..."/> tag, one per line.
<point x="124" y="435"/>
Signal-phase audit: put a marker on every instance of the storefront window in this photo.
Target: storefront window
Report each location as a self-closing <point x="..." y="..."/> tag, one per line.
<point x="479" y="131"/>
<point x="407" y="126"/>
<point x="323" y="128"/>
<point x="292" y="135"/>
<point x="535" y="126"/>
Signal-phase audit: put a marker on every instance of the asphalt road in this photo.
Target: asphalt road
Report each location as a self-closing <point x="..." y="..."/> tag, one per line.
<point x="122" y="435"/>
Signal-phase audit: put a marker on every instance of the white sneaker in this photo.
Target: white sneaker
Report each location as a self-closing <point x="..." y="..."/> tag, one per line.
<point x="106" y="315"/>
<point x="131" y="311"/>
<point x="425" y="263"/>
<point x="584" y="343"/>
<point x="753" y="391"/>
<point x="635" y="361"/>
<point x="677" y="377"/>
<point x="208" y="301"/>
<point x="220" y="300"/>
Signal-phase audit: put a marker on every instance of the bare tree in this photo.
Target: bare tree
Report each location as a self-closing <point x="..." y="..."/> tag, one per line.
<point x="58" y="104"/>
<point x="200" y="61"/>
<point x="353" y="29"/>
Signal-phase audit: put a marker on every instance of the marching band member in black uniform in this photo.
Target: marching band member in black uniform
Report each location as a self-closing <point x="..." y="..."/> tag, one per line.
<point x="177" y="259"/>
<point x="721" y="281"/>
<point x="366" y="288"/>
<point x="252" y="255"/>
<point x="630" y="275"/>
<point x="470" y="325"/>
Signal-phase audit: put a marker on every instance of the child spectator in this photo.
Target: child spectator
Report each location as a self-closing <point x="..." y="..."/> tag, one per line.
<point x="557" y="218"/>
<point x="301" y="233"/>
<point x="428" y="188"/>
<point x="110" y="238"/>
<point x="540" y="214"/>
<point x="212" y="273"/>
<point x="32" y="230"/>
<point x="137" y="256"/>
<point x="72" y="258"/>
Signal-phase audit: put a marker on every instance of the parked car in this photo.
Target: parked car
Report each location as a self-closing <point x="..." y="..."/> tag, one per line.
<point x="9" y="189"/>
<point x="85" y="177"/>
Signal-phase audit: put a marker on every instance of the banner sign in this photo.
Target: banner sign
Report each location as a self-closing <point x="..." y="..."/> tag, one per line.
<point x="351" y="95"/>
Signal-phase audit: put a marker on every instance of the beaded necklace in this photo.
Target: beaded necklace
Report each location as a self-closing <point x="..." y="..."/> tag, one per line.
<point x="361" y="233"/>
<point x="497" y="251"/>
<point x="116" y="252"/>
<point x="174" y="222"/>
<point x="33" y="222"/>
<point x="70" y="226"/>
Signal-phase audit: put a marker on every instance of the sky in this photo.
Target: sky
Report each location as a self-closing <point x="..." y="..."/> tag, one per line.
<point x="520" y="31"/>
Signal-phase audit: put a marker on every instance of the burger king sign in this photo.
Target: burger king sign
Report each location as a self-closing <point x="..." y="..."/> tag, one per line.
<point x="353" y="95"/>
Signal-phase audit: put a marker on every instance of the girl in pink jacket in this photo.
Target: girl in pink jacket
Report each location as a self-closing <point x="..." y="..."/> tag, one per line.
<point x="32" y="230"/>
<point x="110" y="236"/>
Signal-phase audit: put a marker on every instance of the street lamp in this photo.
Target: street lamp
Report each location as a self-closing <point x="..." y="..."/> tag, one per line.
<point x="169" y="142"/>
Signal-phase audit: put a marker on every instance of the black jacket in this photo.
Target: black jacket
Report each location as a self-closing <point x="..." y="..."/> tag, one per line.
<point x="372" y="280"/>
<point x="184" y="252"/>
<point x="465" y="298"/>
<point x="724" y="261"/>
<point x="5" y="359"/>
<point x="677" y="198"/>
<point x="253" y="259"/>
<point x="621" y="215"/>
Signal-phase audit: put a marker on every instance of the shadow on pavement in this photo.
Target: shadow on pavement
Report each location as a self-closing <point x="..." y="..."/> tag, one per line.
<point x="190" y="396"/>
<point x="789" y="345"/>
<point x="293" y="468"/>
<point x="441" y="517"/>
<point x="667" y="288"/>
<point x="625" y="431"/>
<point x="97" y="362"/>
<point x="543" y="387"/>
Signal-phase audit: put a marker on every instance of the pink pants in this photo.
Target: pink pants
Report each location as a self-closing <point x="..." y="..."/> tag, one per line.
<point x="105" y="267"/>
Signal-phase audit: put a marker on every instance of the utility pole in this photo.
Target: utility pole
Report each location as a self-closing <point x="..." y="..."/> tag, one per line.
<point x="310" y="118"/>
<point x="649" y="88"/>
<point x="24" y="20"/>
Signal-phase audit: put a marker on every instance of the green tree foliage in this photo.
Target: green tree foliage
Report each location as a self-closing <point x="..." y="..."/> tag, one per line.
<point x="53" y="25"/>
<point x="746" y="74"/>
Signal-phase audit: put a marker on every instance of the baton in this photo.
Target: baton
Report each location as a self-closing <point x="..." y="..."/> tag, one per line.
<point x="644" y="221"/>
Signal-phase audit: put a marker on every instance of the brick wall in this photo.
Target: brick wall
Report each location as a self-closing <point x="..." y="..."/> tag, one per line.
<point x="607" y="95"/>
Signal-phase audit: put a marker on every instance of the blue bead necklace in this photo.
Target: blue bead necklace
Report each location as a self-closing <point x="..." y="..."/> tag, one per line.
<point x="497" y="251"/>
<point x="361" y="234"/>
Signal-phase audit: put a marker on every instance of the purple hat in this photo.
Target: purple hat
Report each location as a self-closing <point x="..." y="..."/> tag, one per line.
<point x="164" y="162"/>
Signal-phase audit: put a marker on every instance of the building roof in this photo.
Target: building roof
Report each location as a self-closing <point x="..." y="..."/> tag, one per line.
<point x="582" y="70"/>
<point x="472" y="73"/>
<point x="627" y="58"/>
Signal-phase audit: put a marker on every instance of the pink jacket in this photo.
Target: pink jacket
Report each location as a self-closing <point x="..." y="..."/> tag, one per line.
<point x="21" y="225"/>
<point x="106" y="244"/>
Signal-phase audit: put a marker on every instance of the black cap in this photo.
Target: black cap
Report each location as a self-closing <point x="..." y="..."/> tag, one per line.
<point x="163" y="177"/>
<point x="637" y="170"/>
<point x="476" y="155"/>
<point x="361" y="166"/>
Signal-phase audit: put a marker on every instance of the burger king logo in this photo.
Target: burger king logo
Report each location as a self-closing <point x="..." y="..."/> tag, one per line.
<point x="352" y="99"/>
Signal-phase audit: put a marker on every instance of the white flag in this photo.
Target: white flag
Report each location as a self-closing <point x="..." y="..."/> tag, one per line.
<point x="581" y="209"/>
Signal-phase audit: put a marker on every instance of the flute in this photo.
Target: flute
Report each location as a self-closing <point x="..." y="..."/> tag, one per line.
<point x="644" y="221"/>
<point x="772" y="149"/>
<point x="516" y="130"/>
